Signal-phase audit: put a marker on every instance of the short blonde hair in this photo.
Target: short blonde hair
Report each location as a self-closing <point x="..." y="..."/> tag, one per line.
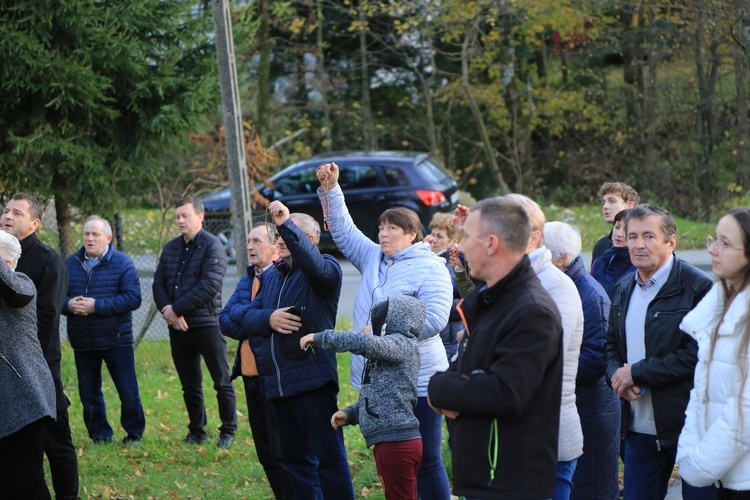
<point x="536" y="215"/>
<point x="445" y="221"/>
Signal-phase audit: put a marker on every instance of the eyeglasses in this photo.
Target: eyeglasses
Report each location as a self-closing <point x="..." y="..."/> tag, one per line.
<point x="720" y="245"/>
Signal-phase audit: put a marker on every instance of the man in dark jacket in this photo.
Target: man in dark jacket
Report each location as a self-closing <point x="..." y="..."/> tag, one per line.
<point x="504" y="389"/>
<point x="650" y="361"/>
<point x="262" y="250"/>
<point x="187" y="291"/>
<point x="104" y="291"/>
<point x="301" y="385"/>
<point x="46" y="268"/>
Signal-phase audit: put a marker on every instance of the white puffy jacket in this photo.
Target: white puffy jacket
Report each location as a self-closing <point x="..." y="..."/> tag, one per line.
<point x="715" y="442"/>
<point x="565" y="295"/>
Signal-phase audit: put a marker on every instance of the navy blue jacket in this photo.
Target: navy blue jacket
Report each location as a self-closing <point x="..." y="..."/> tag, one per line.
<point x="233" y="329"/>
<point x="115" y="286"/>
<point x="196" y="292"/>
<point x="598" y="406"/>
<point x="611" y="267"/>
<point x="312" y="285"/>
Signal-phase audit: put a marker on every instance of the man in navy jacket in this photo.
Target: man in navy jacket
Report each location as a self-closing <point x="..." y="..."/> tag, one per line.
<point x="103" y="292"/>
<point x="301" y="385"/>
<point x="187" y="291"/>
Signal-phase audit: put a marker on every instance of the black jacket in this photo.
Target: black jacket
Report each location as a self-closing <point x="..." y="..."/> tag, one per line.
<point x="47" y="270"/>
<point x="193" y="289"/>
<point x="671" y="354"/>
<point x="602" y="245"/>
<point x="506" y="384"/>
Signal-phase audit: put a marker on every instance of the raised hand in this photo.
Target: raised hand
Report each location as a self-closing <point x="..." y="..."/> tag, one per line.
<point x="328" y="171"/>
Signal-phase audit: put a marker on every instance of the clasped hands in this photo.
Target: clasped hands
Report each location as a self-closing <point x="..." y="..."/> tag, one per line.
<point x="623" y="385"/>
<point x="176" y="322"/>
<point x="82" y="306"/>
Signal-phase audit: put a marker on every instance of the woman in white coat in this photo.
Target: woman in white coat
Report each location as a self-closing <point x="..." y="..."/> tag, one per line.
<point x="400" y="265"/>
<point x="714" y="446"/>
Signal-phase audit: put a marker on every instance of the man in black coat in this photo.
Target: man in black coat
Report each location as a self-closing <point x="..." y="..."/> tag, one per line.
<point x="46" y="268"/>
<point x="504" y="389"/>
<point x="187" y="291"/>
<point x="650" y="361"/>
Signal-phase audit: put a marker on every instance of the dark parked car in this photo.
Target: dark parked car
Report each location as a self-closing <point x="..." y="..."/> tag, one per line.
<point x="372" y="181"/>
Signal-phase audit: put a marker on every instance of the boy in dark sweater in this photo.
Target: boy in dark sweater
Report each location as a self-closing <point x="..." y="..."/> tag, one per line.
<point x="385" y="410"/>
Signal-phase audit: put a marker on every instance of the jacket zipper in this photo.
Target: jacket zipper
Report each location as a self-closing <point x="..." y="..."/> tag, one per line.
<point x="273" y="350"/>
<point x="492" y="450"/>
<point x="7" y="361"/>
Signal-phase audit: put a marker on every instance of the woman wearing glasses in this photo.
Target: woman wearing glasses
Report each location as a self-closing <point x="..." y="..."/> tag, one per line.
<point x="714" y="445"/>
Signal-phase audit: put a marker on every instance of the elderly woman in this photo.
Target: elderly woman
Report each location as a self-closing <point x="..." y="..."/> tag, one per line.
<point x="400" y="265"/>
<point x="27" y="394"/>
<point x="595" y="476"/>
<point x="444" y="235"/>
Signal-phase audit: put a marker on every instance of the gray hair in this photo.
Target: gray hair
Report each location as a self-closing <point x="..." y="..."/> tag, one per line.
<point x="536" y="215"/>
<point x="10" y="249"/>
<point x="507" y="219"/>
<point x="562" y="238"/>
<point x="308" y="225"/>
<point x="105" y="223"/>
<point x="640" y="212"/>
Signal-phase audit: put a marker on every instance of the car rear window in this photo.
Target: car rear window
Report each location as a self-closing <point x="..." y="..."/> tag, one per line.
<point x="433" y="173"/>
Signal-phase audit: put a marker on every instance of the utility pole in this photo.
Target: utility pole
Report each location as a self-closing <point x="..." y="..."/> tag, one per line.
<point x="235" y="144"/>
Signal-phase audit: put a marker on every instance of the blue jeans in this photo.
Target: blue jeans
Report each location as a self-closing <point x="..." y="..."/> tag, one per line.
<point x="187" y="349"/>
<point x="313" y="451"/>
<point x="648" y="467"/>
<point x="121" y="366"/>
<point x="564" y="479"/>
<point x="432" y="480"/>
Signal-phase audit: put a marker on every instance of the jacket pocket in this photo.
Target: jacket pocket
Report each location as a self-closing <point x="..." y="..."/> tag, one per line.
<point x="369" y="410"/>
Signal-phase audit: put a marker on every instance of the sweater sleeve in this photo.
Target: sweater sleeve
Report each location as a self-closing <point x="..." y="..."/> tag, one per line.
<point x="355" y="246"/>
<point x="15" y="291"/>
<point x="390" y="348"/>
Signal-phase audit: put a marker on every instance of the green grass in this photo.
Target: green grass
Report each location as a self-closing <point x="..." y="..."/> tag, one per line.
<point x="162" y="466"/>
<point x="691" y="235"/>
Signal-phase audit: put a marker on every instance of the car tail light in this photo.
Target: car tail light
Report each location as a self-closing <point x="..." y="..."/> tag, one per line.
<point x="431" y="198"/>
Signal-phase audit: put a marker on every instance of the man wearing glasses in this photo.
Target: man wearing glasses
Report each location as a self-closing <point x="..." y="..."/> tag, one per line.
<point x="650" y="361"/>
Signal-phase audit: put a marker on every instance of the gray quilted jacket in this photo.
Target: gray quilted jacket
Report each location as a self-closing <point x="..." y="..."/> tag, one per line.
<point x="385" y="410"/>
<point x="27" y="393"/>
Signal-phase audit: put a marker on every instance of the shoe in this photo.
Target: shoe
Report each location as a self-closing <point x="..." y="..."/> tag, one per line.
<point x="193" y="438"/>
<point x="225" y="441"/>
<point x="102" y="440"/>
<point x="131" y="440"/>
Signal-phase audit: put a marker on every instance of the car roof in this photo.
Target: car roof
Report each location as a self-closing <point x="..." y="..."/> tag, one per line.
<point x="368" y="154"/>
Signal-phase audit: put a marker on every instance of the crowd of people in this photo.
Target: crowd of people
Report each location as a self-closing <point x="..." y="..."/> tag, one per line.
<point x="546" y="373"/>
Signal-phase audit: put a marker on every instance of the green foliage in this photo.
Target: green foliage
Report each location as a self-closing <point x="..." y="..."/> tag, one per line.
<point x="93" y="92"/>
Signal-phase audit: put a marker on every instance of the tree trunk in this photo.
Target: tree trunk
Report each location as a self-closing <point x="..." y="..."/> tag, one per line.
<point x="62" y="214"/>
<point x="476" y="113"/>
<point x="631" y="64"/>
<point x="367" y="125"/>
<point x="263" y="41"/>
<point x="743" y="126"/>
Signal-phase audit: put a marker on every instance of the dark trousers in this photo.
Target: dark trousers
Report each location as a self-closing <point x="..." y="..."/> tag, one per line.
<point x="187" y="349"/>
<point x="397" y="463"/>
<point x="61" y="454"/>
<point x="22" y="462"/>
<point x="432" y="478"/>
<point x="121" y="366"/>
<point x="725" y="494"/>
<point x="648" y="467"/>
<point x="313" y="450"/>
<point x="266" y="437"/>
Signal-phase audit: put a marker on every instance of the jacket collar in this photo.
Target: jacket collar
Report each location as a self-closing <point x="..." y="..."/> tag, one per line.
<point x="519" y="274"/>
<point x="417" y="250"/>
<point x="540" y="257"/>
<point x="28" y="242"/>
<point x="81" y="254"/>
<point x="576" y="269"/>
<point x="671" y="287"/>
